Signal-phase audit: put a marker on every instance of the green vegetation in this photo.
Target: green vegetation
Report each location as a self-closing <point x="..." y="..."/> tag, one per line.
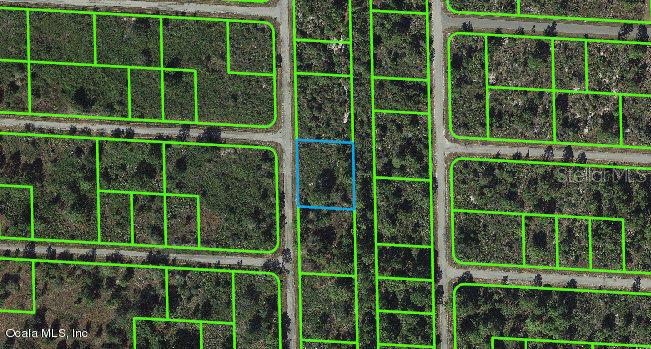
<point x="16" y="286"/>
<point x="162" y="334"/>
<point x="467" y="82"/>
<point x="593" y="207"/>
<point x="325" y="19"/>
<point x="499" y="6"/>
<point x="328" y="311"/>
<point x="401" y="175"/>
<point x="323" y="107"/>
<point x="15" y="211"/>
<point x="146" y="97"/>
<point x="140" y="67"/>
<point x="402" y="145"/>
<point x="327" y="241"/>
<point x="407" y="296"/>
<point x="85" y="90"/>
<point x="217" y="336"/>
<point x="14" y="44"/>
<point x="401" y="95"/>
<point x="99" y="300"/>
<point x="328" y="308"/>
<point x="319" y="57"/>
<point x="604" y="9"/>
<point x="403" y="212"/>
<point x="400" y="45"/>
<point x="251" y="47"/>
<point x="62" y="172"/>
<point x="104" y="300"/>
<point x="401" y="5"/>
<point x="131" y="166"/>
<point x="238" y="194"/>
<point x="196" y="45"/>
<point x="327" y="346"/>
<point x="61" y="37"/>
<point x="521" y="115"/>
<point x="570" y="65"/>
<point x="128" y="41"/>
<point x="406" y="328"/>
<point x="257" y="312"/>
<point x="484" y="311"/>
<point x="587" y="118"/>
<point x="148" y="219"/>
<point x="636" y="120"/>
<point x="13" y="86"/>
<point x="115" y="217"/>
<point x="404" y="262"/>
<point x="549" y="89"/>
<point x="325" y="174"/>
<point x="228" y="195"/>
<point x="519" y="62"/>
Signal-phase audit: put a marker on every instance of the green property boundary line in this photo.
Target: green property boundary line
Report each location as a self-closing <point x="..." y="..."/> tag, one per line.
<point x="429" y="180"/>
<point x="552" y="90"/>
<point x="131" y="194"/>
<point x="556" y="217"/>
<point x="165" y="270"/>
<point x="592" y="345"/>
<point x="297" y="74"/>
<point x="128" y="69"/>
<point x="350" y="76"/>
<point x="519" y="14"/>
<point x="540" y="288"/>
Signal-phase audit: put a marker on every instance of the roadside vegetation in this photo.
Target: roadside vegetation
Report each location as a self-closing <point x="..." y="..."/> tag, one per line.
<point x="520" y="98"/>
<point x="483" y="312"/>
<point x="236" y="190"/>
<point x="553" y="190"/>
<point x="617" y="9"/>
<point x="104" y="300"/>
<point x="133" y="46"/>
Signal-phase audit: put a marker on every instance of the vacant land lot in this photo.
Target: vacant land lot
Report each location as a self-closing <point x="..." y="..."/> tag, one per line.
<point x="603" y="9"/>
<point x="167" y="304"/>
<point x="538" y="89"/>
<point x="326" y="174"/>
<point x="154" y="193"/>
<point x="142" y="68"/>
<point x="327" y="241"/>
<point x="485" y="311"/>
<point x="531" y="214"/>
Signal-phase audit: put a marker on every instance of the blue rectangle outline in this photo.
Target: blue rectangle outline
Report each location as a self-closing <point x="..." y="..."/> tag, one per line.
<point x="298" y="177"/>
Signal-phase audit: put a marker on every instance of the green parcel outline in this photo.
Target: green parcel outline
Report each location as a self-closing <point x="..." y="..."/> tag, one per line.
<point x="164" y="194"/>
<point x="428" y="180"/>
<point x="542" y="288"/>
<point x="161" y="68"/>
<point x="519" y="14"/>
<point x="553" y="91"/>
<point x="303" y="340"/>
<point x="556" y="217"/>
<point x="165" y="270"/>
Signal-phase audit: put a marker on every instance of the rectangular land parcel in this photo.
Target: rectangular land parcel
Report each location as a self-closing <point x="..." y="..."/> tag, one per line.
<point x="561" y="216"/>
<point x="635" y="11"/>
<point x="403" y="183"/>
<point x="138" y="67"/>
<point x="537" y="89"/>
<point x="324" y="133"/>
<point x="126" y="192"/>
<point x="504" y="316"/>
<point x="137" y="306"/>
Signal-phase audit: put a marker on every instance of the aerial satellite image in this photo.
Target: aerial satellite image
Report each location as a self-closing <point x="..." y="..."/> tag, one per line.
<point x="325" y="174"/>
